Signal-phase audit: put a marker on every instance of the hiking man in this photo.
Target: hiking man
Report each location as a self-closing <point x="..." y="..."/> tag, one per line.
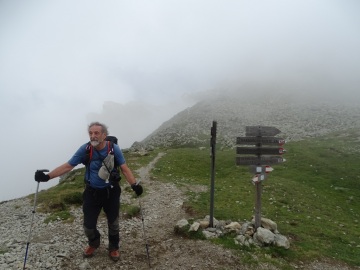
<point x="102" y="185"/>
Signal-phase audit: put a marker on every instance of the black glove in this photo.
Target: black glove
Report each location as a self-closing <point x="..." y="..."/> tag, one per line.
<point x="40" y="176"/>
<point x="137" y="188"/>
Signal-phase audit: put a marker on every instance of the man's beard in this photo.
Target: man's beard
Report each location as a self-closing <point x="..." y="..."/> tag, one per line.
<point x="94" y="143"/>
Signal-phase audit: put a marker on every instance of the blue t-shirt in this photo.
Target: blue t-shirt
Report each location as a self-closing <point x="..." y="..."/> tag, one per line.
<point x="95" y="163"/>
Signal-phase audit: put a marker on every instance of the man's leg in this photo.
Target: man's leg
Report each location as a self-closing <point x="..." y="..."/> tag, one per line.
<point x="91" y="210"/>
<point x="111" y="208"/>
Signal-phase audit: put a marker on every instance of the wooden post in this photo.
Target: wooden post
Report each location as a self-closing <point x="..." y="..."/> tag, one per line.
<point x="258" y="187"/>
<point x="212" y="188"/>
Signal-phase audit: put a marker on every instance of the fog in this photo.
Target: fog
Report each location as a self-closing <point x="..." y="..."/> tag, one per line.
<point x="66" y="63"/>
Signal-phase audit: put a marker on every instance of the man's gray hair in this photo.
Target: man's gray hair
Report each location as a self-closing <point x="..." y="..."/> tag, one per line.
<point x="104" y="128"/>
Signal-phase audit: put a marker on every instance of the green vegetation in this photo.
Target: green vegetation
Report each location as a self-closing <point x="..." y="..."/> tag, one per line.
<point x="184" y="231"/>
<point x="59" y="215"/>
<point x="129" y="211"/>
<point x="313" y="196"/>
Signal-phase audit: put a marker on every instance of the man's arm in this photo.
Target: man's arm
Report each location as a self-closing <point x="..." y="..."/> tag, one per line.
<point x="130" y="178"/>
<point x="62" y="169"/>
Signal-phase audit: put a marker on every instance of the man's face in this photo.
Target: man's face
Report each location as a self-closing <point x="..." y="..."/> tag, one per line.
<point x="96" y="135"/>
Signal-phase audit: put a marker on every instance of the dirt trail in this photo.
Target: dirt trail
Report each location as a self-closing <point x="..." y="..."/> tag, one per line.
<point x="162" y="208"/>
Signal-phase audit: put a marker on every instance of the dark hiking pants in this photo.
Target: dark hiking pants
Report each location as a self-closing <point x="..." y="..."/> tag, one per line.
<point x="94" y="200"/>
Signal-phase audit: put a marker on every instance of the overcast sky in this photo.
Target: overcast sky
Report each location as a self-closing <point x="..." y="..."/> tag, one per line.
<point x="62" y="60"/>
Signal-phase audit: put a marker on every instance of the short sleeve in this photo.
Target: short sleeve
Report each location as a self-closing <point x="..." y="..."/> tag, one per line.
<point x="79" y="156"/>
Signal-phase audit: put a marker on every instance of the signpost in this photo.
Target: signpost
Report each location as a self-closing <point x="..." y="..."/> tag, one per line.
<point x="262" y="140"/>
<point x="261" y="131"/>
<point x="262" y="157"/>
<point x="259" y="160"/>
<point x="260" y="150"/>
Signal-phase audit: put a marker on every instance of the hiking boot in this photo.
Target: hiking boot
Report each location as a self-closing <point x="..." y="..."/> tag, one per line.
<point x="114" y="255"/>
<point x="89" y="252"/>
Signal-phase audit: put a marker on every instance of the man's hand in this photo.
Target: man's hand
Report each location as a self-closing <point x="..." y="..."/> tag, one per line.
<point x="40" y="176"/>
<point x="137" y="188"/>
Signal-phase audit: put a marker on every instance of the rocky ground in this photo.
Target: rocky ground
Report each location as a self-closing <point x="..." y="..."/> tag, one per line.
<point x="59" y="245"/>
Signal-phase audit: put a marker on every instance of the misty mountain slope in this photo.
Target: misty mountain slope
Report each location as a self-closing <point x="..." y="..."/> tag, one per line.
<point x="297" y="117"/>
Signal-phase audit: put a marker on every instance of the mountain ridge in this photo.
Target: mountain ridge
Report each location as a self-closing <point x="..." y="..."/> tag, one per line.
<point x="297" y="117"/>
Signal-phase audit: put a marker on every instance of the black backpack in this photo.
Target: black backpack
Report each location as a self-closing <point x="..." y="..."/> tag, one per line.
<point x="112" y="139"/>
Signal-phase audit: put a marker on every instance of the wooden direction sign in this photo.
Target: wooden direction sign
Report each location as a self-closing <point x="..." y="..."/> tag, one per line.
<point x="259" y="177"/>
<point x="262" y="160"/>
<point x="260" y="150"/>
<point x="261" y="169"/>
<point x="256" y="137"/>
<point x="261" y="131"/>
<point x="259" y="140"/>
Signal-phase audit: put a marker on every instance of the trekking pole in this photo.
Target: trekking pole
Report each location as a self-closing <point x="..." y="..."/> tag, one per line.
<point x="32" y="220"/>
<point x="146" y="243"/>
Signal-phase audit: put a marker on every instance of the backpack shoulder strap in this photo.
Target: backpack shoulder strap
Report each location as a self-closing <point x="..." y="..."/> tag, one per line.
<point x="112" y="152"/>
<point x="87" y="159"/>
<point x="88" y="154"/>
<point x="110" y="146"/>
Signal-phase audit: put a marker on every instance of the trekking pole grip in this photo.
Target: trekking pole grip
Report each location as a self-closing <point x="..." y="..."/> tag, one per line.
<point x="42" y="170"/>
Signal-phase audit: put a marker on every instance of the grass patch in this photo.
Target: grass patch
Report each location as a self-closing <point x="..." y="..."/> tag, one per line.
<point x="74" y="198"/>
<point x="312" y="196"/>
<point x="184" y="232"/>
<point x="57" y="216"/>
<point x="129" y="211"/>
